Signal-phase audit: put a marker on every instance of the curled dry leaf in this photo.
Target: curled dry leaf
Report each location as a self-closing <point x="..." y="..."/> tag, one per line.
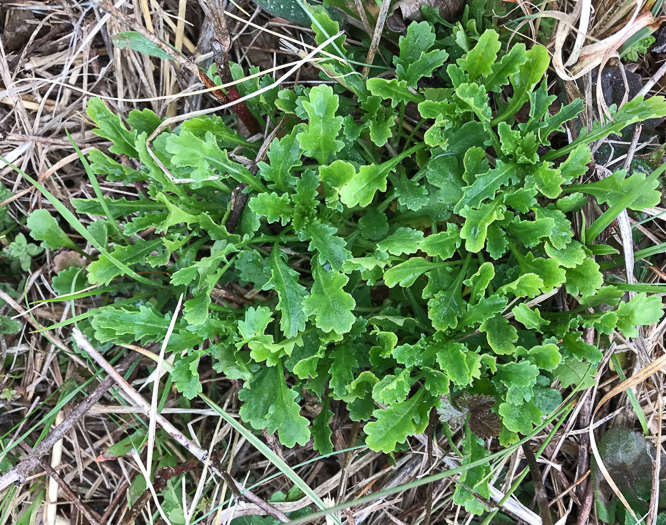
<point x="67" y="259"/>
<point x="410" y="10"/>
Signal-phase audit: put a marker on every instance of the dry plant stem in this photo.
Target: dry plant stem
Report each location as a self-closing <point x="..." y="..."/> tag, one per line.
<point x="655" y="78"/>
<point x="221" y="46"/>
<point x="586" y="508"/>
<point x="238" y="200"/>
<point x="539" y="489"/>
<point x="90" y="515"/>
<point x="25" y="467"/>
<point x="132" y="395"/>
<point x="376" y="37"/>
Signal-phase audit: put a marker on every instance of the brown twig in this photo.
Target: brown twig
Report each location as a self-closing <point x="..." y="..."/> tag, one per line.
<point x="376" y="37"/>
<point x="90" y="515"/>
<point x="25" y="467"/>
<point x="539" y="489"/>
<point x="221" y="45"/>
<point x="238" y="200"/>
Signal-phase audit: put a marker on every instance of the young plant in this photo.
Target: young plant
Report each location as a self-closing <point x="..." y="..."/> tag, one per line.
<point x="371" y="268"/>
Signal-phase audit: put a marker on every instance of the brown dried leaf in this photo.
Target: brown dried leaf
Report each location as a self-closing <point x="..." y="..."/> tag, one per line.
<point x="410" y="10"/>
<point x="482" y="421"/>
<point x="67" y="259"/>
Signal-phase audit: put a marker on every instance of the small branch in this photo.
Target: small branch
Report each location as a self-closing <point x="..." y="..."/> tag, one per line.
<point x="376" y="37"/>
<point x="221" y="45"/>
<point x="539" y="489"/>
<point x="90" y="515"/>
<point x="25" y="467"/>
<point x="238" y="200"/>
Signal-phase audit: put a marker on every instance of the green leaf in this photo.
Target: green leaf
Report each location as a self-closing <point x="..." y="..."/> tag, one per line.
<point x="576" y="164"/>
<point x="411" y="194"/>
<point x="318" y="137"/>
<point x="328" y="301"/>
<point x="443" y="244"/>
<point x="276" y="412"/>
<point x="138" y="42"/>
<point x="616" y="187"/>
<point x="272" y="206"/>
<point x="527" y="285"/>
<point x="501" y="334"/>
<point x="103" y="270"/>
<point x="321" y="429"/>
<point x="290" y="293"/>
<point x="641" y="310"/>
<point x="342" y="369"/>
<point x="575" y="373"/>
<point x="505" y="68"/>
<point x="475" y="478"/>
<point x="392" y="388"/>
<point x="373" y="225"/>
<point x="43" y="227"/>
<point x="530" y="233"/>
<point x="480" y="60"/>
<point x="334" y="177"/>
<point x="446" y="306"/>
<point x="476" y="98"/>
<point x="546" y="357"/>
<point x="402" y="241"/>
<point x="111" y="127"/>
<point x="9" y="325"/>
<point x="520" y="419"/>
<point x="371" y="179"/>
<point x="487" y="307"/>
<point x="486" y="185"/>
<point x="523" y="81"/>
<point x="144" y="324"/>
<point x="283" y="155"/>
<point x="397" y="422"/>
<point x="207" y="160"/>
<point x="414" y="62"/>
<point x="406" y="273"/>
<point x="186" y="375"/>
<point x="570" y="256"/>
<point x="547" y="180"/>
<point x="584" y="279"/>
<point x="479" y="281"/>
<point x="394" y="90"/>
<point x="530" y="319"/>
<point x="574" y="346"/>
<point x="476" y="226"/>
<point x="452" y="359"/>
<point x="636" y="110"/>
<point x="330" y="247"/>
<point x="550" y="272"/>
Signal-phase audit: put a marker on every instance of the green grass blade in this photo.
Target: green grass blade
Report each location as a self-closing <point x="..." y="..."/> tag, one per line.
<point x="76" y="224"/>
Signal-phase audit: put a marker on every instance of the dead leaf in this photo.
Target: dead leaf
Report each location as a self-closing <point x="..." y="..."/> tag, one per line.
<point x="67" y="259"/>
<point x="410" y="10"/>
